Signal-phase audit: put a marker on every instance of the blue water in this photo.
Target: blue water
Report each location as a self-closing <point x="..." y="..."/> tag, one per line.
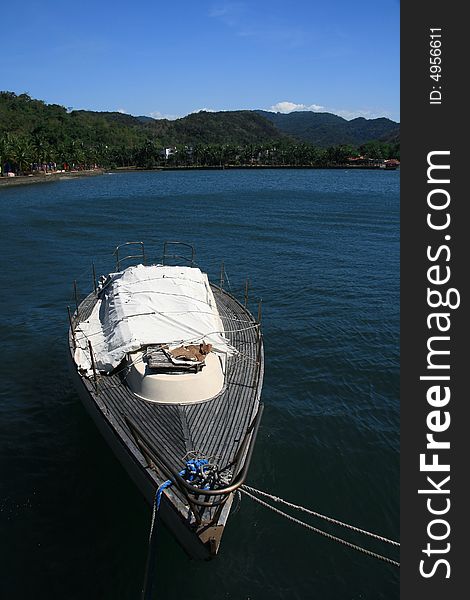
<point x="321" y="248"/>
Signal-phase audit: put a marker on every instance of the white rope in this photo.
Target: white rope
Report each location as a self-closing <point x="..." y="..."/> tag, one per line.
<point x="319" y="531"/>
<point x="228" y="280"/>
<point x="320" y="516"/>
<point x="104" y="329"/>
<point x="227" y="332"/>
<point x="86" y="336"/>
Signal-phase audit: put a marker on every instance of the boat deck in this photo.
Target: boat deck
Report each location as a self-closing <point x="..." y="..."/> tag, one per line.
<point x="215" y="428"/>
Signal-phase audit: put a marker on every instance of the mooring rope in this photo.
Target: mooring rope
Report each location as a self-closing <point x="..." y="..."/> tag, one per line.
<point x="320" y="516"/>
<point x="245" y="489"/>
<point x="197" y="471"/>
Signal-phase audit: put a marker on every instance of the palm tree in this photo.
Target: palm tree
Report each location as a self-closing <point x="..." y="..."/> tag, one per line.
<point x="39" y="145"/>
<point x="6" y="150"/>
<point x="76" y="153"/>
<point x="3" y="152"/>
<point x="22" y="153"/>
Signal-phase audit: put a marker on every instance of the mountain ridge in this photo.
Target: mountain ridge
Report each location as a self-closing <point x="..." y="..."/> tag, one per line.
<point x="24" y="115"/>
<point x="33" y="132"/>
<point x="325" y="129"/>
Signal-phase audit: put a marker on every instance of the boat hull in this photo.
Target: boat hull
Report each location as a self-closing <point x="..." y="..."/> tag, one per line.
<point x="198" y="545"/>
<point x="151" y="440"/>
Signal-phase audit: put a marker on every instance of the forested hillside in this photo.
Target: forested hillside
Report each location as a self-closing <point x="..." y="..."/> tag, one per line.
<point x="326" y="129"/>
<point x="34" y="135"/>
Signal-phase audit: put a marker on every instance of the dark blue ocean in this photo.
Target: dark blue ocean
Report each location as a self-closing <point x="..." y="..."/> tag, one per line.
<point x="321" y="248"/>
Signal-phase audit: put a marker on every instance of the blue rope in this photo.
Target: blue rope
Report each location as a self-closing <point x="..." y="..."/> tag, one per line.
<point x="193" y="473"/>
<point x="165" y="484"/>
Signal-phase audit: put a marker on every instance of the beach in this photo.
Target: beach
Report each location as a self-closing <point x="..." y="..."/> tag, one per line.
<point x="47" y="177"/>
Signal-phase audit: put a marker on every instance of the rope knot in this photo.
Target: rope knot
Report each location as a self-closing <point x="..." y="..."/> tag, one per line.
<point x="197" y="471"/>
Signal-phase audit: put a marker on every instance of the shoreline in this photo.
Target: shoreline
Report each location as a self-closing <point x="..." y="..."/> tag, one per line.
<point x="47" y="178"/>
<point x="248" y="168"/>
<point x="52" y="177"/>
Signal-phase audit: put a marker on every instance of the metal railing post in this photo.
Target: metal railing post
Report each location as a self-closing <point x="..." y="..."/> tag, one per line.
<point x="75" y="293"/>
<point x="258" y="344"/>
<point x="93" y="366"/>
<point x="72" y="329"/>
<point x="130" y="256"/>
<point x="222" y="275"/>
<point x="94" y="276"/>
<point x="168" y="243"/>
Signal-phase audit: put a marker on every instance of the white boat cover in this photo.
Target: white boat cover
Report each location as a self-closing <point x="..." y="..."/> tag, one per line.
<point x="145" y="305"/>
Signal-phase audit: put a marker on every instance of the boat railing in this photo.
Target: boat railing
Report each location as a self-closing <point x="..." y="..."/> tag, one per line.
<point x="169" y="254"/>
<point x="255" y="323"/>
<point x="240" y="466"/>
<point x="119" y="259"/>
<point x="245" y="450"/>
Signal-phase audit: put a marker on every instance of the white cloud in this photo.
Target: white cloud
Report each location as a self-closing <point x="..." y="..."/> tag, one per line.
<point x="287" y="107"/>
<point x="211" y="110"/>
<point x="156" y="114"/>
<point x="123" y="111"/>
<point x="368" y="113"/>
<point x="229" y="13"/>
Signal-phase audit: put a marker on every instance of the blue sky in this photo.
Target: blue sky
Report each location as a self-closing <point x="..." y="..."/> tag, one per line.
<point x="167" y="58"/>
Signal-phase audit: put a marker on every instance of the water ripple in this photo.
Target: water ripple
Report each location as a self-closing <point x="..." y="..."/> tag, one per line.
<point x="321" y="249"/>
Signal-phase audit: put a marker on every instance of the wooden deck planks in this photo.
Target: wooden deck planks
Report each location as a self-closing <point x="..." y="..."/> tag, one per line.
<point x="214" y="428"/>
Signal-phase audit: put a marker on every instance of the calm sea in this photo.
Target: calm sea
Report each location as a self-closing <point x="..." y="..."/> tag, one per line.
<point x="321" y="248"/>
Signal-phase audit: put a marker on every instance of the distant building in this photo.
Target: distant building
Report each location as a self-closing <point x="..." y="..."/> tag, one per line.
<point x="167" y="152"/>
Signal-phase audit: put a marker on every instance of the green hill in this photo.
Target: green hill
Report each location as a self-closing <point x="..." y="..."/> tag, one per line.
<point x="33" y="133"/>
<point x="233" y="127"/>
<point x="326" y="129"/>
<point x="22" y="115"/>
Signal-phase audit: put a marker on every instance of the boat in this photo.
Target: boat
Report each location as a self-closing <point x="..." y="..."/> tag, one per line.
<point x="170" y="368"/>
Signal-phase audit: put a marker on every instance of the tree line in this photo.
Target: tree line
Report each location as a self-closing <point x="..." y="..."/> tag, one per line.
<point x="22" y="154"/>
<point x="35" y="136"/>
